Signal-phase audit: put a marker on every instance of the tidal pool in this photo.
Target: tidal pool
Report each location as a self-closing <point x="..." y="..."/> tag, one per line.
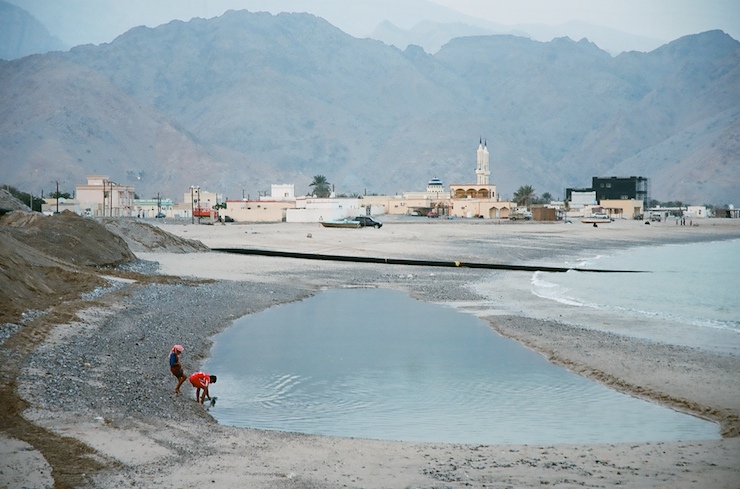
<point x="375" y="363"/>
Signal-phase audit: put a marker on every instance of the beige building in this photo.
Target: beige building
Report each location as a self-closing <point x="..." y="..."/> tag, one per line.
<point x="409" y="203"/>
<point x="266" y="209"/>
<point x="198" y="197"/>
<point x="622" y="208"/>
<point x="102" y="197"/>
<point x="479" y="199"/>
<point x="52" y="206"/>
<point x="462" y="200"/>
<point x="257" y="210"/>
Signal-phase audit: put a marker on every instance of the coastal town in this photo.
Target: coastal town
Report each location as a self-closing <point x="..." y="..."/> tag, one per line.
<point x="607" y="199"/>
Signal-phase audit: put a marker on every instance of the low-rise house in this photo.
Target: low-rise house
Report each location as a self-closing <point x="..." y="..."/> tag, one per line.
<point x="244" y="210"/>
<point x="102" y="197"/>
<point x="152" y="207"/>
<point x="272" y="208"/>
<point x="622" y="208"/>
<point x="52" y="206"/>
<point x="314" y="209"/>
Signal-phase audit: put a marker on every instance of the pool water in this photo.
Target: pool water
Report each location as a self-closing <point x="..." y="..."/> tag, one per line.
<point x="375" y="363"/>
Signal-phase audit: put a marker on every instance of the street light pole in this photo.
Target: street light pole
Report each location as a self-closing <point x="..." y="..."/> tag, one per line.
<point x="57" y="195"/>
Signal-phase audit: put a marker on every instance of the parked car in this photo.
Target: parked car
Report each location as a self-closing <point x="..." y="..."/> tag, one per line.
<point x="525" y="215"/>
<point x="228" y="219"/>
<point x="368" y="222"/>
<point x="160" y="215"/>
<point x="655" y="216"/>
<point x="433" y="214"/>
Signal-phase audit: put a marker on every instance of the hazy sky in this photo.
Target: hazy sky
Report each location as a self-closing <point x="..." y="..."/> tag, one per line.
<point x="96" y="21"/>
<point x="663" y="19"/>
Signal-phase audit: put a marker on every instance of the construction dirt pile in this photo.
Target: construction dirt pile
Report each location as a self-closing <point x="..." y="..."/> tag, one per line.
<point x="10" y="203"/>
<point x="47" y="260"/>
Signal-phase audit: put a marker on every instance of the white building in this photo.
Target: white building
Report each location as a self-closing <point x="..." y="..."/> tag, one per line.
<point x="282" y="191"/>
<point x="314" y="209"/>
<point x="581" y="199"/>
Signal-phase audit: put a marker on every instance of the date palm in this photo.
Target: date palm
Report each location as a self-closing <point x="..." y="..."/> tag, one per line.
<point x="524" y="196"/>
<point x="321" y="187"/>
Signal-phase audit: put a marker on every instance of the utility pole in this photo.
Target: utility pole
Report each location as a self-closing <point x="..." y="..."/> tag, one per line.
<point x="192" y="209"/>
<point x="57" y="196"/>
<point x="193" y="189"/>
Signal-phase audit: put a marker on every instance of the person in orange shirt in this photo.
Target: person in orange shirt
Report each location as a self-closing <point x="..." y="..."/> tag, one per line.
<point x="201" y="381"/>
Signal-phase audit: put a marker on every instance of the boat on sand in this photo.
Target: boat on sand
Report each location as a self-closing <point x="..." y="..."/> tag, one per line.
<point x="341" y="223"/>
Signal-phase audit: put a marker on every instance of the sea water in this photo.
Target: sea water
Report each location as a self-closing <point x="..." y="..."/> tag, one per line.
<point x="374" y="363"/>
<point x="691" y="289"/>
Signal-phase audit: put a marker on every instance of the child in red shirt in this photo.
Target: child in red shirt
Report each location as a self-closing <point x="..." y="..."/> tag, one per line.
<point x="200" y="381"/>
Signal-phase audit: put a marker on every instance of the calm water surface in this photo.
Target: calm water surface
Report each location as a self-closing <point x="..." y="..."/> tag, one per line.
<point x="693" y="285"/>
<point x="374" y="363"/>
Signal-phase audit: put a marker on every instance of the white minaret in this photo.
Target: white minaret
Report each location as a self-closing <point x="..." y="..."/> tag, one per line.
<point x="481" y="171"/>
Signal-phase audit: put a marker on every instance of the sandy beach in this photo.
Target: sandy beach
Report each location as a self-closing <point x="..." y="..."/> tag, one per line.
<point x="96" y="390"/>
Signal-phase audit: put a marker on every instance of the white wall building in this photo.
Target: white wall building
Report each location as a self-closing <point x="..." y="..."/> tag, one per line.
<point x="282" y="191"/>
<point x="314" y="209"/>
<point x="579" y="200"/>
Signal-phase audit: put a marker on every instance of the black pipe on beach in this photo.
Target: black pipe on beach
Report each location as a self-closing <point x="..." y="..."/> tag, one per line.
<point x="417" y="263"/>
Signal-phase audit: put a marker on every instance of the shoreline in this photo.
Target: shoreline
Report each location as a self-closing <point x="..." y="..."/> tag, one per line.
<point x="147" y="436"/>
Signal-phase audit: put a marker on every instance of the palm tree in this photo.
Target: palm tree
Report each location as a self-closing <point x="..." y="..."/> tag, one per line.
<point x="524" y="196"/>
<point x="321" y="187"/>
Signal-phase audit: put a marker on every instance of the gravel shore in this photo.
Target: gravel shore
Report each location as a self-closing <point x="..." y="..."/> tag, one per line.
<point x="101" y="378"/>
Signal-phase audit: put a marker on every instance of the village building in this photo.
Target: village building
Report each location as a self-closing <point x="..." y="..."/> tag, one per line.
<point x="622" y="208"/>
<point x="272" y="208"/>
<point x="314" y="209"/>
<point x="409" y="203"/>
<point x="580" y="198"/>
<point x="53" y="206"/>
<point x="480" y="199"/>
<point x="148" y="208"/>
<point x="101" y="197"/>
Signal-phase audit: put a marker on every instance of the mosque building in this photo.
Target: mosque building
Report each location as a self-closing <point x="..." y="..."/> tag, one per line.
<point x="479" y="199"/>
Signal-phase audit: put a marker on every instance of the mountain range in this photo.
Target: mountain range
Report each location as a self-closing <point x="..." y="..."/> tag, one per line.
<point x="240" y="101"/>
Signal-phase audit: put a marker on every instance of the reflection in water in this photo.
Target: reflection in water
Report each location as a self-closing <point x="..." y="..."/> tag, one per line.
<point x="374" y="363"/>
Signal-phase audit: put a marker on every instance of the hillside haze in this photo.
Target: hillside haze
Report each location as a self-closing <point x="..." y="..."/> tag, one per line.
<point x="22" y="34"/>
<point x="244" y="100"/>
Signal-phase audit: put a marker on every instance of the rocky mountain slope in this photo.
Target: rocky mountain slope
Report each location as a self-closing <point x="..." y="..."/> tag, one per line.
<point x="244" y="100"/>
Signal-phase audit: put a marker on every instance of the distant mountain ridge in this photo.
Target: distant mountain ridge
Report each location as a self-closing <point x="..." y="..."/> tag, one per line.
<point x="22" y="34"/>
<point x="248" y="99"/>
<point x="433" y="35"/>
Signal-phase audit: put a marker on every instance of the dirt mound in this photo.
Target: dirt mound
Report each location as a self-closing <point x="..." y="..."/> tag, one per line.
<point x="32" y="280"/>
<point x="47" y="260"/>
<point x="10" y="203"/>
<point x="141" y="236"/>
<point x="69" y="237"/>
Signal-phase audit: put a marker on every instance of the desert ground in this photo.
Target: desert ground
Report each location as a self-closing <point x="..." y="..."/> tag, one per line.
<point x="87" y="398"/>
